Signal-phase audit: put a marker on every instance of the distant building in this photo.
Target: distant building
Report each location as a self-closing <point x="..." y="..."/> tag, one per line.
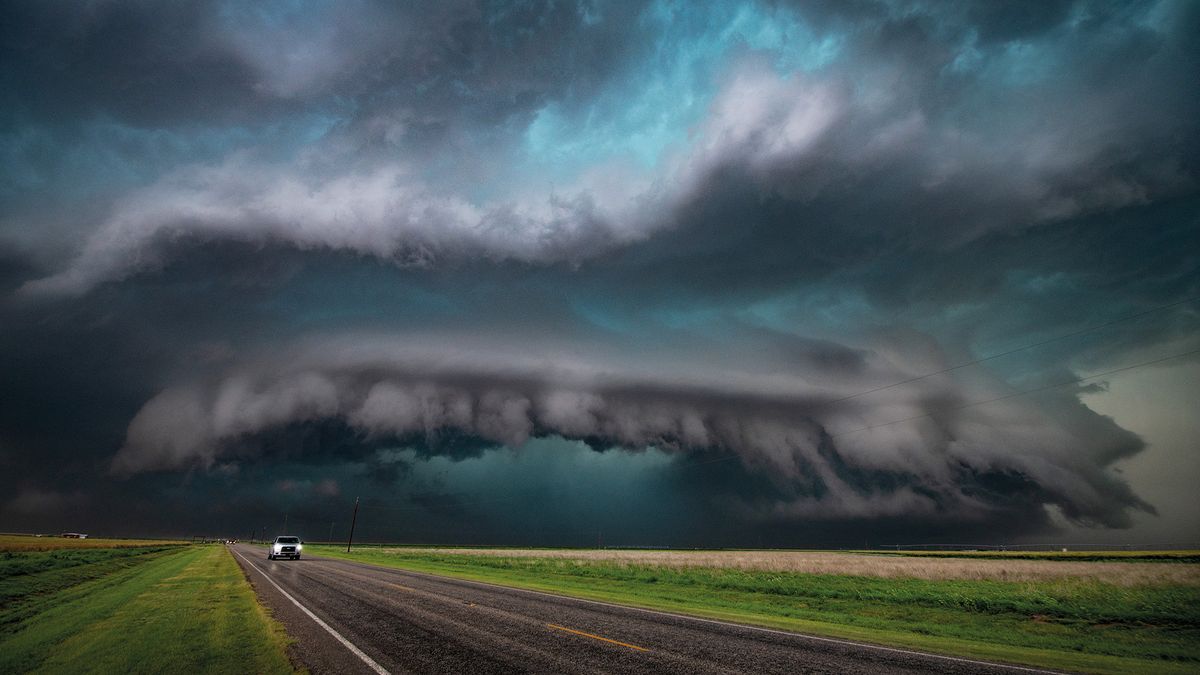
<point x="73" y="535"/>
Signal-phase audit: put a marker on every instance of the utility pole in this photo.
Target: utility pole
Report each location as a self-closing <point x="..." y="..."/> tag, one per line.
<point x="285" y="517"/>
<point x="331" y="531"/>
<point x="353" y="520"/>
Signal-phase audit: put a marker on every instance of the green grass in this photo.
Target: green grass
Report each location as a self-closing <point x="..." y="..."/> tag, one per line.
<point x="135" y="611"/>
<point x="30" y="582"/>
<point x="1069" y="624"/>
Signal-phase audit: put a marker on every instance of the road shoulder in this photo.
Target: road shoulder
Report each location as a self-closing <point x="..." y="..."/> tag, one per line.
<point x="311" y="646"/>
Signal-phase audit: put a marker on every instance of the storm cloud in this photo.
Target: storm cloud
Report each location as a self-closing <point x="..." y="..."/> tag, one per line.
<point x="964" y="134"/>
<point x="327" y="249"/>
<point x="917" y="450"/>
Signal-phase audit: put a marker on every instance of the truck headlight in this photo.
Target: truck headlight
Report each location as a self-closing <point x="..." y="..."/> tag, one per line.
<point x="299" y="547"/>
<point x="278" y="548"/>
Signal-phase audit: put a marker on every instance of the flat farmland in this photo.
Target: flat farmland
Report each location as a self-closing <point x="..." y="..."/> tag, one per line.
<point x="26" y="542"/>
<point x="1132" y="569"/>
<point x="78" y="605"/>
<point x="1105" y="614"/>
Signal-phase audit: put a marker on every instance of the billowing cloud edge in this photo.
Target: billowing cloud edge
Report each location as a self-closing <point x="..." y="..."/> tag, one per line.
<point x="915" y="450"/>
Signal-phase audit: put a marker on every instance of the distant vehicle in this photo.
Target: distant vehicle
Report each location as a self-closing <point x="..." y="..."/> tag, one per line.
<point x="285" y="547"/>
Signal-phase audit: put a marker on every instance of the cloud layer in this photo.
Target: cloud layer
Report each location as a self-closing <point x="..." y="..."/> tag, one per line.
<point x="298" y="251"/>
<point x="910" y="451"/>
<point x="951" y="135"/>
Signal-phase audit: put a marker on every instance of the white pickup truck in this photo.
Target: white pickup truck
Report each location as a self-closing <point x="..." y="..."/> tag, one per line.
<point x="285" y="547"/>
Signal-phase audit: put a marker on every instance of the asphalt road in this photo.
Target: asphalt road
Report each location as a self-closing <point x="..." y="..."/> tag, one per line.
<point x="350" y="617"/>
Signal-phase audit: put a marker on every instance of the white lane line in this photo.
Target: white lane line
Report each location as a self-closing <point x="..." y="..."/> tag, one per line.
<point x="684" y="617"/>
<point x="338" y="636"/>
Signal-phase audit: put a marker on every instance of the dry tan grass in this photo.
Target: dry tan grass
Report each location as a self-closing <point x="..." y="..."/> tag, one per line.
<point x="1180" y="555"/>
<point x="858" y="564"/>
<point x="20" y="542"/>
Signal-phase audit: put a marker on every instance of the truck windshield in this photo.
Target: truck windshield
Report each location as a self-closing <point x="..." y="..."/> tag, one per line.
<point x="287" y="540"/>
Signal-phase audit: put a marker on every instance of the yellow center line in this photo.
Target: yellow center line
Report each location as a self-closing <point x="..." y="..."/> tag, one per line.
<point x="595" y="637"/>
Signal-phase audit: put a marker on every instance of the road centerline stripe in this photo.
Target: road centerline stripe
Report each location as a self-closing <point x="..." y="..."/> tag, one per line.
<point x="687" y="617"/>
<point x="338" y="636"/>
<point x="596" y="637"/>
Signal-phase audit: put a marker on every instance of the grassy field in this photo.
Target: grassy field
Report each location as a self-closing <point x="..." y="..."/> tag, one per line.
<point x="1185" y="556"/>
<point x="1125" y="571"/>
<point x="136" y="609"/>
<point x="25" y="542"/>
<point x="1055" y="617"/>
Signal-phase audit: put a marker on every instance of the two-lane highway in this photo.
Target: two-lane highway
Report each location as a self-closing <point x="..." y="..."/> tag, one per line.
<point x="352" y="617"/>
